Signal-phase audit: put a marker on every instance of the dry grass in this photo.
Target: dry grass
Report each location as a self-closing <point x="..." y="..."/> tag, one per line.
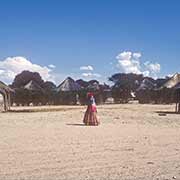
<point x="30" y="109"/>
<point x="132" y="142"/>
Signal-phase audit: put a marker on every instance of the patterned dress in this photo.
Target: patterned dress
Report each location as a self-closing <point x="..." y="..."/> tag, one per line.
<point x="90" y="117"/>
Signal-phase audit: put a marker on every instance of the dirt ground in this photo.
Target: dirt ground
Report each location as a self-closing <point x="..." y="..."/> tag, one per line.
<point x="133" y="142"/>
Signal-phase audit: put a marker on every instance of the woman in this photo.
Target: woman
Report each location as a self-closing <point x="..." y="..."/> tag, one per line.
<point x="90" y="117"/>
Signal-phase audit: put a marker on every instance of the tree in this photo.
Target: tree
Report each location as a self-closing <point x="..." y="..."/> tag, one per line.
<point x="50" y="92"/>
<point x="124" y="84"/>
<point x="130" y="81"/>
<point x="24" y="77"/>
<point x="25" y="95"/>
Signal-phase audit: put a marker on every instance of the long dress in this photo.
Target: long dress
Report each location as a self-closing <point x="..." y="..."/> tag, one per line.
<point x="90" y="117"/>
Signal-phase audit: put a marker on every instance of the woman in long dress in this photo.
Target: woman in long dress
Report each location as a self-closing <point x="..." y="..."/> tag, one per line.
<point x="90" y="117"/>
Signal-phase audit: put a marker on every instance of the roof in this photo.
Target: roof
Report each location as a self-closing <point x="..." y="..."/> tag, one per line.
<point x="146" y="84"/>
<point x="82" y="83"/>
<point x="94" y="86"/>
<point x="177" y="86"/>
<point x="5" y="87"/>
<point x="68" y="85"/>
<point x="2" y="84"/>
<point x="33" y="86"/>
<point x="172" y="82"/>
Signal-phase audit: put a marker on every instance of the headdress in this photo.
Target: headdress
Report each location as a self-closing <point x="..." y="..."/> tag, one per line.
<point x="90" y="94"/>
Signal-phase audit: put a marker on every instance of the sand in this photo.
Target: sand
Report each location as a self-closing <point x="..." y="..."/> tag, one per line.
<point x="133" y="142"/>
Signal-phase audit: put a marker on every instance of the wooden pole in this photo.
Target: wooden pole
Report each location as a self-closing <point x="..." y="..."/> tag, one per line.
<point x="5" y="101"/>
<point x="178" y="102"/>
<point x="9" y="100"/>
<point x="178" y="108"/>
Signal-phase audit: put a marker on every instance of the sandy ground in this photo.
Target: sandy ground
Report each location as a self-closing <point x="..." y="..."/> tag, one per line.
<point x="132" y="142"/>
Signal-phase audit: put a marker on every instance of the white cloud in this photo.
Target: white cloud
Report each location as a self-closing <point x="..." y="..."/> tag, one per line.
<point x="146" y="73"/>
<point x="1" y="71"/>
<point x="86" y="68"/>
<point x="91" y="75"/>
<point x="126" y="55"/>
<point x="88" y="72"/>
<point x="129" y="62"/>
<point x="51" y="66"/>
<point x="12" y="66"/>
<point x="136" y="55"/>
<point x="170" y="75"/>
<point x="155" y="68"/>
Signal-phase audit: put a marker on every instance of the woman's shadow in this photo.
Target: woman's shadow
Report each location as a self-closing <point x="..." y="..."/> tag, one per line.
<point x="75" y="124"/>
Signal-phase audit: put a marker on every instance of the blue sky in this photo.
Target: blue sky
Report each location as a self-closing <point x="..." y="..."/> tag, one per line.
<point x="73" y="33"/>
